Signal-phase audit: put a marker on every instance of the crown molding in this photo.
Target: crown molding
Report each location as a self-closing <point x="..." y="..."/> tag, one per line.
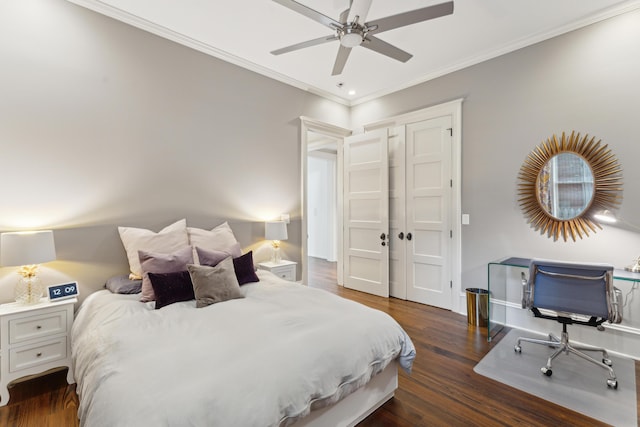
<point x="159" y="30"/>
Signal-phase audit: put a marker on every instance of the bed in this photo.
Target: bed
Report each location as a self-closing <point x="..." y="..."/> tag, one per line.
<point x="283" y="354"/>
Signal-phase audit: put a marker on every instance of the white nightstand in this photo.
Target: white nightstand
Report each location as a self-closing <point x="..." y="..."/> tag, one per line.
<point x="33" y="339"/>
<point x="284" y="269"/>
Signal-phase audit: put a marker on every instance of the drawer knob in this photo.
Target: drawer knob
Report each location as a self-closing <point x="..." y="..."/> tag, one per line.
<point x="39" y="355"/>
<point x="38" y="327"/>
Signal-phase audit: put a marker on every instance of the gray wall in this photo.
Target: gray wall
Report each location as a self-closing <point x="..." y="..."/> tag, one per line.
<point x="586" y="81"/>
<point x="102" y="124"/>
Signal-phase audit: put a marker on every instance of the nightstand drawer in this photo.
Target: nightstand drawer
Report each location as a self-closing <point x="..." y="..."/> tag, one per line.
<point x="27" y="328"/>
<point x="33" y="355"/>
<point x="285" y="272"/>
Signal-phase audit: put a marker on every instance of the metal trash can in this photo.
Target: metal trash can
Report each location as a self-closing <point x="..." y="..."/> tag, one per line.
<point x="477" y="306"/>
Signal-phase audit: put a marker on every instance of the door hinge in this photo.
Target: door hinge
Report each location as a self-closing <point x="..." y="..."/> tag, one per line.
<point x="451" y="183"/>
<point x="451" y="284"/>
<point x="450" y="131"/>
<point x="451" y="234"/>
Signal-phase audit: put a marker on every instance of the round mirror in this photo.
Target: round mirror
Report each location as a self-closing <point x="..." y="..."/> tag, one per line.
<point x="565" y="181"/>
<point x="565" y="186"/>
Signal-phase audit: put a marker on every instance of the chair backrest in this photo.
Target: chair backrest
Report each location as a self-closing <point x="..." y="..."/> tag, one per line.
<point x="573" y="288"/>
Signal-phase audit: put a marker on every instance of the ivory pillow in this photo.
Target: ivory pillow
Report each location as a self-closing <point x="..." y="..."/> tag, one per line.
<point x="214" y="284"/>
<point x="167" y="240"/>
<point x="220" y="238"/>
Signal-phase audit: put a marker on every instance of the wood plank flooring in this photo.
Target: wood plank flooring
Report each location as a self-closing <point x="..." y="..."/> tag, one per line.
<point x="442" y="390"/>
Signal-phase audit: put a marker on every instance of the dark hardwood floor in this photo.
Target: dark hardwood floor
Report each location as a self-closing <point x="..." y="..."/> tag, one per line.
<point x="442" y="390"/>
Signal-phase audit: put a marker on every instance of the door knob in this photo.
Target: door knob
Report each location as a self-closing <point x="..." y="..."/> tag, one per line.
<point x="401" y="236"/>
<point x="409" y="236"/>
<point x="383" y="236"/>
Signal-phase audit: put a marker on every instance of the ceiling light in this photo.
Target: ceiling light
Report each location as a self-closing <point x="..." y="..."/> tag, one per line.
<point x="351" y="36"/>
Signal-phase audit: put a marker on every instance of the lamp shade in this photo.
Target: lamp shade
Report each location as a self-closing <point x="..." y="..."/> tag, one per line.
<point x="26" y="248"/>
<point x="275" y="230"/>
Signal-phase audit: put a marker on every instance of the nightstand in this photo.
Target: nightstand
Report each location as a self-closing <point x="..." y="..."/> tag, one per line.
<point x="34" y="339"/>
<point x="284" y="269"/>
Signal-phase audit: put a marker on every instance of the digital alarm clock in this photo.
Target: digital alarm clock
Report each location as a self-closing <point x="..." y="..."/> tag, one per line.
<point x="63" y="291"/>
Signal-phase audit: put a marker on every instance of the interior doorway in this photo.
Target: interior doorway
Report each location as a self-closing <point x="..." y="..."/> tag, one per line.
<point x="321" y="148"/>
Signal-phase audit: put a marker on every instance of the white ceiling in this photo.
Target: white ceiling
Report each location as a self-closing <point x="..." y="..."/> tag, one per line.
<point x="245" y="31"/>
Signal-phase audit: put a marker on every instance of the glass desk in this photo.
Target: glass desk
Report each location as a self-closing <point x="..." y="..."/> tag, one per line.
<point x="507" y="270"/>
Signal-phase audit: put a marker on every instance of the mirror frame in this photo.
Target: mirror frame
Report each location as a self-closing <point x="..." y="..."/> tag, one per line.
<point x="607" y="185"/>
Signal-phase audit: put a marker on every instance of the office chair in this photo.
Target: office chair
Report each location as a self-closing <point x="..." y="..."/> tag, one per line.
<point x="572" y="293"/>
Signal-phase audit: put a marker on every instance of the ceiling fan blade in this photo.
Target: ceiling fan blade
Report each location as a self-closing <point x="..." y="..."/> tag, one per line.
<point x="359" y="8"/>
<point x="411" y="17"/>
<point x="380" y="46"/>
<point x="341" y="60"/>
<point x="310" y="13"/>
<point x="308" y="43"/>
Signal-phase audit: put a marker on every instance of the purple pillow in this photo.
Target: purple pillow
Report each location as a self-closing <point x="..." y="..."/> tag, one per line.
<point x="162" y="263"/>
<point x="245" y="272"/>
<point x="171" y="287"/>
<point x="213" y="257"/>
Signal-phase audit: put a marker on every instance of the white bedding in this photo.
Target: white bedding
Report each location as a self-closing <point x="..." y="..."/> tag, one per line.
<point x="263" y="360"/>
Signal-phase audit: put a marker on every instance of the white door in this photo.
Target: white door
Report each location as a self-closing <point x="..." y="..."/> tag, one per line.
<point x="428" y="217"/>
<point x="397" y="210"/>
<point x="366" y="213"/>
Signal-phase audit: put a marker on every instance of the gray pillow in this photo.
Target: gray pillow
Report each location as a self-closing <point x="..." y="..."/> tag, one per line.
<point x="121" y="284"/>
<point x="214" y="284"/>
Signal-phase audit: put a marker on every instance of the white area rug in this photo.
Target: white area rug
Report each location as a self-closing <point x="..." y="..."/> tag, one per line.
<point x="575" y="384"/>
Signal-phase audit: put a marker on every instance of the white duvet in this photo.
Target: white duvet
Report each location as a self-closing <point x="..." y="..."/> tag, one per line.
<point x="263" y="360"/>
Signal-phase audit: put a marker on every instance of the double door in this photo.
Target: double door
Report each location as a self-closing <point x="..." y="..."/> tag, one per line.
<point x="397" y="219"/>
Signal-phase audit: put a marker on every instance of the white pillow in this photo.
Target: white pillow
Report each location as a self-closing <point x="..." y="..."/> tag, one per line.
<point x="167" y="240"/>
<point x="221" y="238"/>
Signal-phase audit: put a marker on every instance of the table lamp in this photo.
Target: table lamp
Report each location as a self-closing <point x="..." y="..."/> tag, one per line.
<point x="27" y="249"/>
<point x="275" y="231"/>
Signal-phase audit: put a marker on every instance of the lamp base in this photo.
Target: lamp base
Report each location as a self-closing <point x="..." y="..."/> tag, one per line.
<point x="28" y="291"/>
<point x="275" y="255"/>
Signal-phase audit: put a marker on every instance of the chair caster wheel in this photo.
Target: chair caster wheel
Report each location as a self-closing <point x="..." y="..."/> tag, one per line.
<point x="607" y="362"/>
<point x="612" y="384"/>
<point x="517" y="349"/>
<point x="546" y="371"/>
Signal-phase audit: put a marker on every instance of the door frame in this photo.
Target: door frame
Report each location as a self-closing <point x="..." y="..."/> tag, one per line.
<point x="454" y="109"/>
<point x="308" y="124"/>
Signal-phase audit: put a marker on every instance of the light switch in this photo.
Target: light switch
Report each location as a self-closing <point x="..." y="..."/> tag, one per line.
<point x="465" y="219"/>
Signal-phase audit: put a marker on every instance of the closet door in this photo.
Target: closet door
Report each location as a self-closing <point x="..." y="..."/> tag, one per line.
<point x="428" y="217"/>
<point x="397" y="214"/>
<point x="366" y="213"/>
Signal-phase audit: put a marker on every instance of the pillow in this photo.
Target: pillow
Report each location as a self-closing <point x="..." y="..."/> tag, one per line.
<point x="213" y="257"/>
<point x="123" y="285"/>
<point x="171" y="287"/>
<point x="162" y="263"/>
<point x="245" y="271"/>
<point x="214" y="284"/>
<point x="219" y="239"/>
<point x="139" y="239"/>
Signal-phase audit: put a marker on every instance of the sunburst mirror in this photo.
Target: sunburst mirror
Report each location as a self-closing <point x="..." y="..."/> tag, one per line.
<point x="565" y="182"/>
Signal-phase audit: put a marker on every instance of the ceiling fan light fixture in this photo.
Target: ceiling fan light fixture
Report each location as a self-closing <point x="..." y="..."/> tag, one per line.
<point x="351" y="37"/>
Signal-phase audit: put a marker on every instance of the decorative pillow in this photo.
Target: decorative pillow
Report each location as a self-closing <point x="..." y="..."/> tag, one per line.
<point x="171" y="287"/>
<point x="170" y="238"/>
<point x="220" y="238"/>
<point x="123" y="285"/>
<point x="162" y="263"/>
<point x="213" y="257"/>
<point x="214" y="284"/>
<point x="245" y="271"/>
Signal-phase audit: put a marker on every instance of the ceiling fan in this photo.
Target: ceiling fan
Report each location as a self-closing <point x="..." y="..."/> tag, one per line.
<point x="352" y="30"/>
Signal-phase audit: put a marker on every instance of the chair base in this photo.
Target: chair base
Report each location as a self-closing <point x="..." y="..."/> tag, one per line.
<point x="563" y="345"/>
